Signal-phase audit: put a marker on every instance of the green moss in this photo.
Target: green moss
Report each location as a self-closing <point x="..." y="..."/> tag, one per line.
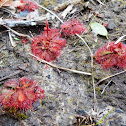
<point x="106" y="93"/>
<point x="47" y="3"/>
<point x="15" y="114"/>
<point x="98" y="90"/>
<point x="21" y="116"/>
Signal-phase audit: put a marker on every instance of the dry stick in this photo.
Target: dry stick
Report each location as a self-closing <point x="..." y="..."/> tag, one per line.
<point x="100" y="2"/>
<point x="62" y="68"/>
<point x="64" y="5"/>
<point x="110" y="77"/>
<point x="88" y="49"/>
<point x="11" y="40"/>
<point x="21" y="22"/>
<point x="3" y="3"/>
<point x="13" y="74"/>
<point x="95" y="100"/>
<point x="105" y="87"/>
<point x="8" y="11"/>
<point x="86" y="45"/>
<point x="120" y="39"/>
<point x="15" y="32"/>
<point x="48" y="11"/>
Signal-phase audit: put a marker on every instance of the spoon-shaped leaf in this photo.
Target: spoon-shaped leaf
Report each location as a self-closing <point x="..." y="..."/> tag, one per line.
<point x="98" y="29"/>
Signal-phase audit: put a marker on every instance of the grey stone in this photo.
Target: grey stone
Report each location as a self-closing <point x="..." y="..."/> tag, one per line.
<point x="111" y="25"/>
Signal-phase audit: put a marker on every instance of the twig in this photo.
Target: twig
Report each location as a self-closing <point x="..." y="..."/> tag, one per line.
<point x="11" y="40"/>
<point x="64" y="5"/>
<point x="100" y="2"/>
<point x="66" y="11"/>
<point x="95" y="100"/>
<point x="15" y="23"/>
<point x="120" y="39"/>
<point x="48" y="11"/>
<point x="105" y="87"/>
<point x="8" y="11"/>
<point x="13" y="74"/>
<point x="62" y="68"/>
<point x="111" y="119"/>
<point x="88" y="48"/>
<point x="3" y="3"/>
<point x="19" y="34"/>
<point x="110" y="77"/>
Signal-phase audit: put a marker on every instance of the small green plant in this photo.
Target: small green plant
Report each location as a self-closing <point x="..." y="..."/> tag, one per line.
<point x="104" y="117"/>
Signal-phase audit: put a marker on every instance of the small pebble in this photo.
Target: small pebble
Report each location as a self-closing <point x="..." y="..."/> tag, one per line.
<point x="124" y="7"/>
<point x="118" y="111"/>
<point x="117" y="10"/>
<point x="107" y="15"/>
<point x="51" y="107"/>
<point x="124" y="82"/>
<point x="50" y="125"/>
<point x="36" y="105"/>
<point x="43" y="102"/>
<point x="48" y="76"/>
<point x="23" y="13"/>
<point x="81" y="112"/>
<point x="0" y="35"/>
<point x="111" y="25"/>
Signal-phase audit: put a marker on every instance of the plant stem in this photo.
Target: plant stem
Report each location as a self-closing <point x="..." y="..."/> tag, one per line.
<point x="48" y="11"/>
<point x="62" y="68"/>
<point x="95" y="100"/>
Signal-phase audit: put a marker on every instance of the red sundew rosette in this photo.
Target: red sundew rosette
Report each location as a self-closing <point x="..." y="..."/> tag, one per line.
<point x="72" y="27"/>
<point x="21" y="94"/>
<point x="48" y="45"/>
<point x="112" y="55"/>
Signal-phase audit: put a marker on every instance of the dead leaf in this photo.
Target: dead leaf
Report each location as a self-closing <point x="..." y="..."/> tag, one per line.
<point x="7" y="3"/>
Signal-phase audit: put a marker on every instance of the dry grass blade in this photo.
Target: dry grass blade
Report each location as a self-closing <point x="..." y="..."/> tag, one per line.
<point x="13" y="74"/>
<point x="120" y="39"/>
<point x="11" y="40"/>
<point x="48" y="11"/>
<point x="62" y="68"/>
<point x="64" y="5"/>
<point x="3" y="3"/>
<point x="15" y="32"/>
<point x="100" y="2"/>
<point x="110" y="77"/>
<point x="95" y="100"/>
